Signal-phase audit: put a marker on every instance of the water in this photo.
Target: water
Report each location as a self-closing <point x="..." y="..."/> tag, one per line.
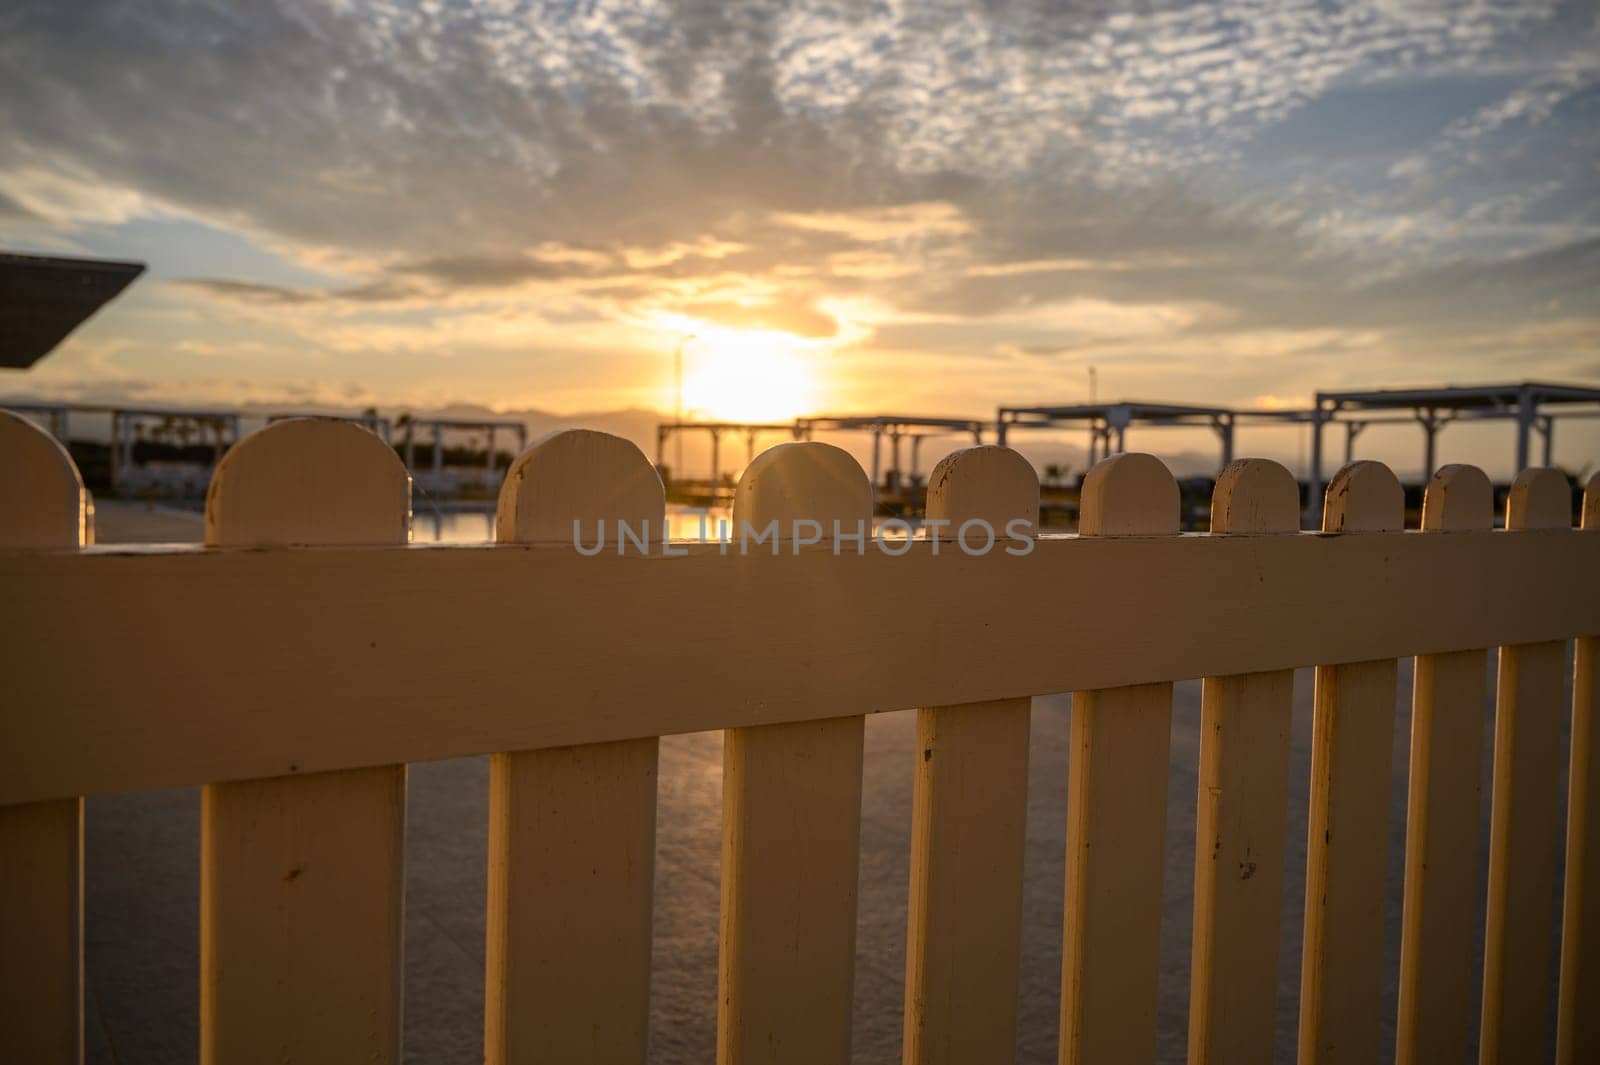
<point x="431" y="525"/>
<point x="439" y="526"/>
<point x="126" y="521"/>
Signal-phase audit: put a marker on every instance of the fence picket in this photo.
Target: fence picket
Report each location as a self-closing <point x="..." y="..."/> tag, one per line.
<point x="572" y="829"/>
<point x="1242" y="811"/>
<point x="1525" y="810"/>
<point x="969" y="815"/>
<point x="791" y="817"/>
<point x="1442" y="811"/>
<point x="1577" y="1022"/>
<point x="1352" y="743"/>
<point x="302" y="877"/>
<point x="1116" y="811"/>
<point x="42" y="505"/>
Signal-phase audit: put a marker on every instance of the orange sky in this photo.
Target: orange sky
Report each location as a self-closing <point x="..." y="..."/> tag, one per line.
<point x="938" y="210"/>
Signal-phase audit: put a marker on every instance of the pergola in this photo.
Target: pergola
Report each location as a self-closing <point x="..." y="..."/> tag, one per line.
<point x="222" y="424"/>
<point x="1526" y="402"/>
<point x="438" y="426"/>
<point x="55" y="415"/>
<point x="223" y="429"/>
<point x="1108" y="422"/>
<point x="716" y="430"/>
<point x="125" y="422"/>
<point x="376" y="424"/>
<point x="897" y="427"/>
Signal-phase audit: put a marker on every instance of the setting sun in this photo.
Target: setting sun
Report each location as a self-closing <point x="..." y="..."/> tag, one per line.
<point x="749" y="376"/>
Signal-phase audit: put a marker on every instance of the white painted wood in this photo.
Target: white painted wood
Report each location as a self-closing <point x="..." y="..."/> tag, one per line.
<point x="1116" y="810"/>
<point x="42" y="505"/>
<point x="791" y="817"/>
<point x="309" y="481"/>
<point x="42" y="499"/>
<point x="41" y="931"/>
<point x="843" y="635"/>
<point x="572" y="829"/>
<point x="1577" y="1023"/>
<point x="1242" y="811"/>
<point x="969" y="815"/>
<point x="302" y="876"/>
<point x="1442" y="811"/>
<point x="584" y="476"/>
<point x="1352" y="740"/>
<point x="1525" y="813"/>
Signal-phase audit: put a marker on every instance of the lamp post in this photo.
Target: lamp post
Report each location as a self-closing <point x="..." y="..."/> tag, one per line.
<point x="677" y="374"/>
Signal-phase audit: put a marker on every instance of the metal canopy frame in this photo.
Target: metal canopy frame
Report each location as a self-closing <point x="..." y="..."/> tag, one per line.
<point x="377" y="425"/>
<point x="226" y="429"/>
<point x="224" y="425"/>
<point x="56" y="414"/>
<point x="437" y="427"/>
<point x="716" y="429"/>
<point x="1434" y="408"/>
<point x="1431" y="408"/>
<point x="896" y="427"/>
<point x="1108" y="422"/>
<point x="125" y="421"/>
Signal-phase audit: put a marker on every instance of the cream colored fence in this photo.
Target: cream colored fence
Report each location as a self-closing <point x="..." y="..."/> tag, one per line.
<point x="283" y="667"/>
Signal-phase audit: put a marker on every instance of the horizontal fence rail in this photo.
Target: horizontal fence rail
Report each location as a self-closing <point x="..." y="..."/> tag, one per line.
<point x="274" y="629"/>
<point x="297" y="663"/>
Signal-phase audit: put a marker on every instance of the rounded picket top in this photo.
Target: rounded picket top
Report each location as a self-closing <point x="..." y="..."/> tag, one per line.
<point x="1540" y="498"/>
<point x="1364" y="496"/>
<point x="803" y="479"/>
<point x="42" y="499"/>
<point x="1128" y="495"/>
<point x="578" y="475"/>
<point x="984" y="483"/>
<point x="1458" y="497"/>
<point x="309" y="481"/>
<point x="1591" y="503"/>
<point x="1255" y="496"/>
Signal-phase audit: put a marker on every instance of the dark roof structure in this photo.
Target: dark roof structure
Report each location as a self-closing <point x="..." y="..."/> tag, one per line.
<point x="1533" y="405"/>
<point x="42" y="299"/>
<point x="892" y="424"/>
<point x="1108" y="422"/>
<point x="1495" y="400"/>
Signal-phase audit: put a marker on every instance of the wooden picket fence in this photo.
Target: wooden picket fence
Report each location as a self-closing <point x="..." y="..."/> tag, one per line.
<point x="284" y="667"/>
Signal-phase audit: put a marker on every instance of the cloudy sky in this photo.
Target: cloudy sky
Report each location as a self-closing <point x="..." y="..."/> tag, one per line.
<point x="849" y="206"/>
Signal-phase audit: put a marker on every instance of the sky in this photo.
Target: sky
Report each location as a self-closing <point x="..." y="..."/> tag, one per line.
<point x="832" y="207"/>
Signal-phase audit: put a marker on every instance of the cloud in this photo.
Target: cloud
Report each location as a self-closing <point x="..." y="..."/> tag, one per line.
<point x="927" y="177"/>
<point x="66" y="197"/>
<point x="798" y="319"/>
<point x="1043" y="266"/>
<point x="494" y="271"/>
<point x="909" y="221"/>
<point x="10" y="208"/>
<point x="249" y="292"/>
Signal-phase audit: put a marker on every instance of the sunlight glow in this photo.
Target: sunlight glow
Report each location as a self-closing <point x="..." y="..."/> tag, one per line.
<point x="749" y="375"/>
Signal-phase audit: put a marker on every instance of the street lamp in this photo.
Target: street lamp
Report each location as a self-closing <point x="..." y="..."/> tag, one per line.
<point x="677" y="373"/>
